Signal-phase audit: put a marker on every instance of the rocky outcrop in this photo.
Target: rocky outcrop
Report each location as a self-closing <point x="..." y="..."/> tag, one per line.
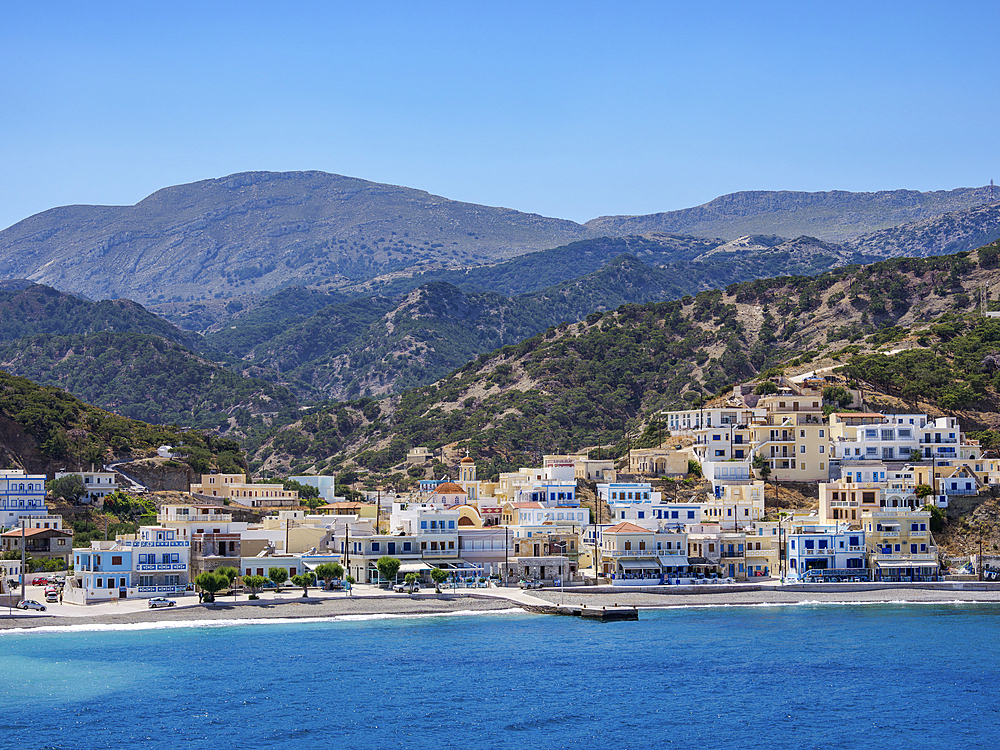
<point x="159" y="474"/>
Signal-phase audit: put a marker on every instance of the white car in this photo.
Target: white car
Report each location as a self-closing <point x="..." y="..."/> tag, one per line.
<point x="160" y="601"/>
<point x="404" y="588"/>
<point x="30" y="604"/>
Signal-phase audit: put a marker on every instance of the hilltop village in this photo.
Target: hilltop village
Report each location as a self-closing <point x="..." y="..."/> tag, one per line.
<point x="882" y="479"/>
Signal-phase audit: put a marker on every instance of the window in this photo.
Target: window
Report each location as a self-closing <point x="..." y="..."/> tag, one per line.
<point x="822" y="433"/>
<point x="802" y="449"/>
<point x="375" y="546"/>
<point x="116" y="559"/>
<point x="822" y="449"/>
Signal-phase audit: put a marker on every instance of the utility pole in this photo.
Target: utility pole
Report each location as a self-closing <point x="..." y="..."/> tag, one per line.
<point x="23" y="563"/>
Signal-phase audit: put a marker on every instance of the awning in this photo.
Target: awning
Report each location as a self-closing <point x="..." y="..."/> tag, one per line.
<point x="673" y="560"/>
<point x="639" y="564"/>
<point x="413" y="567"/>
<point x="913" y="564"/>
<point x="452" y="563"/>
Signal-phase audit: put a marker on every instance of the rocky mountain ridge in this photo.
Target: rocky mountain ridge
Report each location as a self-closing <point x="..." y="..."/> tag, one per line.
<point x="256" y="232"/>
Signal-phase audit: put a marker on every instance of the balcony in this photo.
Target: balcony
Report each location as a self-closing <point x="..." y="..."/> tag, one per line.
<point x="761" y="552"/>
<point x="639" y="552"/>
<point x="886" y="533"/>
<point x="162" y="566"/>
<point x="898" y="557"/>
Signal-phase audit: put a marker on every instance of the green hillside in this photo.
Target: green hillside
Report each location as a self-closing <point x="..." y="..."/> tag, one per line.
<point x="142" y="377"/>
<point x="45" y="429"/>
<point x="600" y="381"/>
<point x="28" y="309"/>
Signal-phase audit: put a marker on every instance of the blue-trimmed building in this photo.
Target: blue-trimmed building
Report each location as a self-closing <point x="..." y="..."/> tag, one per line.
<point x="21" y="494"/>
<point x="155" y="563"/>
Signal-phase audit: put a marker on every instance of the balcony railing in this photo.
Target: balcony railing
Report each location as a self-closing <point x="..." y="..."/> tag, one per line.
<point x="916" y="556"/>
<point x="162" y="566"/>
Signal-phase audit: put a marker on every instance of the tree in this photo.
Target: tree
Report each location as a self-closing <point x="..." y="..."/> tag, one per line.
<point x="923" y="490"/>
<point x="837" y="394"/>
<point x="438" y="576"/>
<point x="411" y="579"/>
<point x="304" y="580"/>
<point x="760" y="464"/>
<point x="694" y="467"/>
<point x="388" y="567"/>
<point x="938" y="517"/>
<point x="211" y="583"/>
<point x="69" y="487"/>
<point x="229" y="573"/>
<point x="328" y="571"/>
<point x="278" y="575"/>
<point x="254" y="583"/>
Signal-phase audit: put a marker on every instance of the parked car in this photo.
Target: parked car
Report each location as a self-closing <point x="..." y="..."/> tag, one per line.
<point x="161" y="601"/>
<point x="404" y="588"/>
<point x="30" y="604"/>
<point x="51" y="596"/>
<point x="39" y="581"/>
<point x="530" y="583"/>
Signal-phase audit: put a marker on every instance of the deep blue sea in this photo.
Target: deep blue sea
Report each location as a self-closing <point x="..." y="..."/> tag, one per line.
<point x="738" y="678"/>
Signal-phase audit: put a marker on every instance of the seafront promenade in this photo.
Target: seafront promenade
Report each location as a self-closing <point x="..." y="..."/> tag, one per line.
<point x="371" y="600"/>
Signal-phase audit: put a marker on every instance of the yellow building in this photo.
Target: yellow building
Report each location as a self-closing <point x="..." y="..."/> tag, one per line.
<point x="236" y="488"/>
<point x="900" y="546"/>
<point x="658" y="461"/>
<point x="792" y="437"/>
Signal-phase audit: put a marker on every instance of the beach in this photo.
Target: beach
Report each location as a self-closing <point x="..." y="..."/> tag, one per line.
<point x="372" y="601"/>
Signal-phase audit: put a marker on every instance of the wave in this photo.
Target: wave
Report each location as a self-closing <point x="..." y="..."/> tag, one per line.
<point x="234" y="622"/>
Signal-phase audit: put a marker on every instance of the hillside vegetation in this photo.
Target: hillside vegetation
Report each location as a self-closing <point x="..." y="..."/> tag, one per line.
<point x="600" y="381"/>
<point x="143" y="377"/>
<point x="45" y="429"/>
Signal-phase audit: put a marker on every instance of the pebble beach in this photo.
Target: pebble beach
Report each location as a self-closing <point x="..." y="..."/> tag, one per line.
<point x="370" y="601"/>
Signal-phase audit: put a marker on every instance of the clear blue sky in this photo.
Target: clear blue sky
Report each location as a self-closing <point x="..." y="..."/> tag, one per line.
<point x="568" y="109"/>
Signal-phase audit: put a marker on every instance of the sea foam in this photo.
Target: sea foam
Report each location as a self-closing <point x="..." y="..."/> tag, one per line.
<point x="175" y="624"/>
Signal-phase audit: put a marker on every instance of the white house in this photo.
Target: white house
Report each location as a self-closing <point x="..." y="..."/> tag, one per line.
<point x="97" y="484"/>
<point x="21" y="494"/>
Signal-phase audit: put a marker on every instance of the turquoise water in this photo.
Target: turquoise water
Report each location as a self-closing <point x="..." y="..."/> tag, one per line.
<point x="807" y="676"/>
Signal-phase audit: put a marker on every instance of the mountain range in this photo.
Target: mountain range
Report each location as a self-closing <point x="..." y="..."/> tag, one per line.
<point x="253" y="233"/>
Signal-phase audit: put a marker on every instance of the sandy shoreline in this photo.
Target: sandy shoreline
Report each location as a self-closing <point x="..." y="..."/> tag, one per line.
<point x="491" y="600"/>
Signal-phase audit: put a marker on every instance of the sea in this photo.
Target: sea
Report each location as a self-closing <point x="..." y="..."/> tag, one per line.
<point x="738" y="678"/>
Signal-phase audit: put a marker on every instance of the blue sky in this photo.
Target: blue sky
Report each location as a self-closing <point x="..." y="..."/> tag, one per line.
<point x="568" y="109"/>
